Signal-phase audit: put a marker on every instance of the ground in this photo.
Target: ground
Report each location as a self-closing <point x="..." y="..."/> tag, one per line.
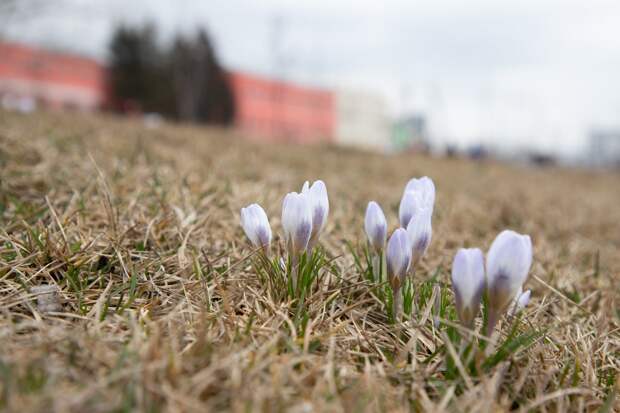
<point x="164" y="306"/>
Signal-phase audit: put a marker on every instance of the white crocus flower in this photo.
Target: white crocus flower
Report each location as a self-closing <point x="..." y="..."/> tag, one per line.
<point x="418" y="193"/>
<point x="256" y="226"/>
<point x="420" y="231"/>
<point x="468" y="283"/>
<point x="524" y="300"/>
<point x="521" y="300"/>
<point x="297" y="222"/>
<point x="398" y="259"/>
<point x="508" y="264"/>
<point x="425" y="187"/>
<point x="319" y="205"/>
<point x="375" y="225"/>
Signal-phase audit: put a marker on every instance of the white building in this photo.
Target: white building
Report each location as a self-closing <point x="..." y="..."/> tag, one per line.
<point x="362" y="120"/>
<point x="605" y="147"/>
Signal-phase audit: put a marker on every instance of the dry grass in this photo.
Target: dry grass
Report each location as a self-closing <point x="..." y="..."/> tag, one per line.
<point x="162" y="309"/>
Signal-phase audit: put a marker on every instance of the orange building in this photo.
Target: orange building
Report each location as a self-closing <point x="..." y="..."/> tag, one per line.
<point x="50" y="79"/>
<point x="264" y="109"/>
<point x="279" y="111"/>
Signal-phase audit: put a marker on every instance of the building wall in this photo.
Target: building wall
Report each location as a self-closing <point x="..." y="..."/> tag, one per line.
<point x="267" y="110"/>
<point x="605" y="148"/>
<point x="279" y="111"/>
<point x="362" y="120"/>
<point x="52" y="79"/>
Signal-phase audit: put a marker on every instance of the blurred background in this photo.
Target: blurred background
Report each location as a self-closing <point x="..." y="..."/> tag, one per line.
<point x="530" y="81"/>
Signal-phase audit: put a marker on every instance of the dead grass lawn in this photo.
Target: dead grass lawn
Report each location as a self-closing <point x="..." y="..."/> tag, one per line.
<point x="161" y="309"/>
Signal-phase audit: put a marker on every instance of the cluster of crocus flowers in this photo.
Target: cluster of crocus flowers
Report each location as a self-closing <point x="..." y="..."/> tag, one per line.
<point x="409" y="243"/>
<point x="500" y="278"/>
<point x="415" y="214"/>
<point x="507" y="266"/>
<point x="304" y="216"/>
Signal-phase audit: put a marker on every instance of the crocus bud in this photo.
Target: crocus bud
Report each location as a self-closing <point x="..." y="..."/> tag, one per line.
<point x="398" y="258"/>
<point x="319" y="205"/>
<point x="523" y="300"/>
<point x="508" y="263"/>
<point x="376" y="226"/>
<point x="426" y="188"/>
<point x="256" y="226"/>
<point x="297" y="222"/>
<point x="420" y="233"/>
<point x="419" y="193"/>
<point x="468" y="283"/>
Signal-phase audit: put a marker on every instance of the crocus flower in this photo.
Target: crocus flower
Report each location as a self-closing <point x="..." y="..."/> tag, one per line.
<point x="468" y="283"/>
<point x="521" y="300"/>
<point x="420" y="232"/>
<point x="419" y="193"/>
<point x="376" y="227"/>
<point x="398" y="258"/>
<point x="297" y="222"/>
<point x="319" y="205"/>
<point x="256" y="226"/>
<point x="508" y="263"/>
<point x="425" y="187"/>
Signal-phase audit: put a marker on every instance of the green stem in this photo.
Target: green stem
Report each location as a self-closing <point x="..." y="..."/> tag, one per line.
<point x="376" y="268"/>
<point x="396" y="305"/>
<point x="294" y="271"/>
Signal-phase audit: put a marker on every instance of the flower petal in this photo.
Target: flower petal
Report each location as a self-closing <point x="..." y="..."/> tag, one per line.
<point x="407" y="207"/>
<point x="420" y="232"/>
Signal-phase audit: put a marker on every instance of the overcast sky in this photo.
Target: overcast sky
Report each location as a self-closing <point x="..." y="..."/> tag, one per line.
<point x="524" y="73"/>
